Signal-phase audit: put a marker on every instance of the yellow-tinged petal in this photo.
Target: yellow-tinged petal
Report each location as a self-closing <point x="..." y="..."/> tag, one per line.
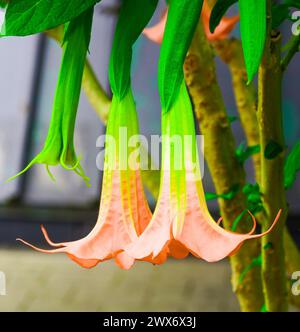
<point x="181" y="222"/>
<point x="124" y="211"/>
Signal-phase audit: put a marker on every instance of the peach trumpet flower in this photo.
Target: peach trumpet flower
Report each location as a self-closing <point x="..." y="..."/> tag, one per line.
<point x="124" y="211"/>
<point x="222" y="31"/>
<point x="181" y="223"/>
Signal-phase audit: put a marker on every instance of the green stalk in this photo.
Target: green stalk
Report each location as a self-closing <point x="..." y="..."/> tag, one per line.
<point x="223" y="165"/>
<point x="230" y="51"/>
<point x="272" y="184"/>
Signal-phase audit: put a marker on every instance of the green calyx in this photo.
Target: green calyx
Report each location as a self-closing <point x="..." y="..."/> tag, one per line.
<point x="122" y="127"/>
<point x="59" y="145"/>
<point x="133" y="18"/>
<point x="183" y="17"/>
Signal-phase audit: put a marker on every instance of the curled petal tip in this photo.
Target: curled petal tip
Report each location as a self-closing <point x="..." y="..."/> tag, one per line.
<point x="47" y="238"/>
<point x="270" y="229"/>
<point x="254" y="223"/>
<point x="39" y="249"/>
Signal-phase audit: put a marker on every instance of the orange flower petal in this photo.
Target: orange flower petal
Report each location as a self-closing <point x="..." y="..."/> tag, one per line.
<point x="124" y="211"/>
<point x="222" y="31"/>
<point x="181" y="222"/>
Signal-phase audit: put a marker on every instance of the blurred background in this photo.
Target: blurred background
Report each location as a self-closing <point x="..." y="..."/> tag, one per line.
<point x="68" y="209"/>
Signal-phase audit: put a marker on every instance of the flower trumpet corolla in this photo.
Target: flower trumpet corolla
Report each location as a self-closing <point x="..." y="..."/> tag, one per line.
<point x="124" y="211"/>
<point x="222" y="31"/>
<point x="59" y="145"/>
<point x="181" y="222"/>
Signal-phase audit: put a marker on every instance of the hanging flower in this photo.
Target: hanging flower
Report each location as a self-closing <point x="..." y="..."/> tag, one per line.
<point x="222" y="31"/>
<point x="124" y="211"/>
<point x="59" y="145"/>
<point x="181" y="222"/>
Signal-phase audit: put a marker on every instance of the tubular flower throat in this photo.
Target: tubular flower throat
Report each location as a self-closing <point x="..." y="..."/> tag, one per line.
<point x="181" y="223"/>
<point x="222" y="31"/>
<point x="59" y="145"/>
<point x="124" y="211"/>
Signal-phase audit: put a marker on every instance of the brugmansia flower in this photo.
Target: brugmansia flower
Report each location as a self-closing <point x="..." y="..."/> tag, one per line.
<point x="222" y="31"/>
<point x="181" y="223"/>
<point x="124" y="211"/>
<point x="59" y="145"/>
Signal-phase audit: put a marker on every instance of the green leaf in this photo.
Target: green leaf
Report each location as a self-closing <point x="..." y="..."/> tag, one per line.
<point x="243" y="152"/>
<point x="211" y="196"/>
<point x="232" y="118"/>
<point x="127" y="32"/>
<point x="218" y="12"/>
<point x="237" y="220"/>
<point x="264" y="308"/>
<point x="292" y="3"/>
<point x="280" y="12"/>
<point x="253" y="201"/>
<point x="253" y="195"/>
<point x="27" y="17"/>
<point x="253" y="33"/>
<point x="272" y="150"/>
<point x="257" y="261"/>
<point x="3" y="3"/>
<point x="183" y="17"/>
<point x="292" y="166"/>
<point x="227" y="196"/>
<point x="59" y="144"/>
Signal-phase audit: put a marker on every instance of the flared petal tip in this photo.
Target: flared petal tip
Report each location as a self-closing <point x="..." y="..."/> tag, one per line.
<point x="47" y="238"/>
<point x="124" y="261"/>
<point x="45" y="251"/>
<point x="268" y="231"/>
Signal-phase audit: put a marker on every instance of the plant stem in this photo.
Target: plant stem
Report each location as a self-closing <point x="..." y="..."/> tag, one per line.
<point x="291" y="52"/>
<point x="230" y="51"/>
<point x="220" y="155"/>
<point x="272" y="184"/>
<point x="95" y="93"/>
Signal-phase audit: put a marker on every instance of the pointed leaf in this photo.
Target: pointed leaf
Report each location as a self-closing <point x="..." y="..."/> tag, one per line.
<point x="272" y="150"/>
<point x="292" y="166"/>
<point x="183" y="17"/>
<point x="243" y="152"/>
<point x="127" y="32"/>
<point x="27" y="17"/>
<point x="253" y="33"/>
<point x="280" y="12"/>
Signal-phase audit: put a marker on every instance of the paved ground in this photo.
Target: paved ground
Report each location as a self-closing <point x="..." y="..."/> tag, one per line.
<point x="37" y="282"/>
